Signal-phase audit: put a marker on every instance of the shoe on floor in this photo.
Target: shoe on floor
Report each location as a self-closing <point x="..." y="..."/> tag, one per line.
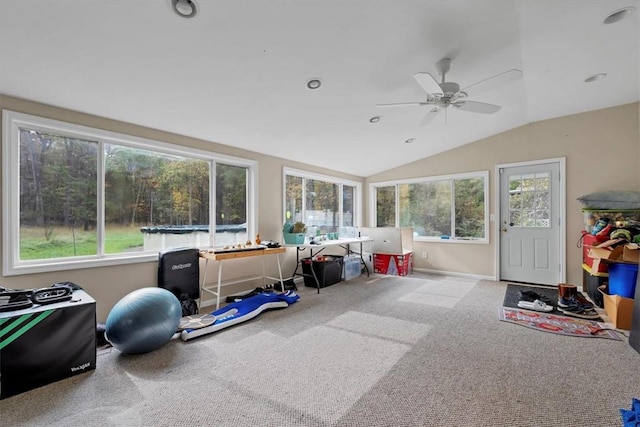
<point x="577" y="310"/>
<point x="536" y="305"/>
<point x="578" y="300"/>
<point x="531" y="296"/>
<point x="567" y="291"/>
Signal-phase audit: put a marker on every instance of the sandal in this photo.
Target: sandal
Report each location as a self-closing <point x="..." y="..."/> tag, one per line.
<point x="536" y="305"/>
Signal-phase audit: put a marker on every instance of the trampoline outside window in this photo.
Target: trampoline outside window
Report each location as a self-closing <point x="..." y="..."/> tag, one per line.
<point x="88" y="197"/>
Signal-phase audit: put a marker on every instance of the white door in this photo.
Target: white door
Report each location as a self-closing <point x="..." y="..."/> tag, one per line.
<point x="530" y="224"/>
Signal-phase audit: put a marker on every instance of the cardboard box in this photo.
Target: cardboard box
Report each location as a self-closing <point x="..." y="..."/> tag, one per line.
<point x="393" y="264"/>
<point x="631" y="253"/>
<point x="618" y="309"/>
<point x="604" y="253"/>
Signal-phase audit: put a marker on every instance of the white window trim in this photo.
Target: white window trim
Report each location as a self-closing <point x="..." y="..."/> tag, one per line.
<point x="477" y="174"/>
<point x="11" y="123"/>
<point x="357" y="205"/>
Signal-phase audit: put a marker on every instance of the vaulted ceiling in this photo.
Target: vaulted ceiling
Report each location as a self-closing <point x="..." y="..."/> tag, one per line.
<point x="236" y="73"/>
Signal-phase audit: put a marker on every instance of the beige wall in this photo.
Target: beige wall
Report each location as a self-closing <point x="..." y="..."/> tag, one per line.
<point x="108" y="284"/>
<point x="602" y="149"/>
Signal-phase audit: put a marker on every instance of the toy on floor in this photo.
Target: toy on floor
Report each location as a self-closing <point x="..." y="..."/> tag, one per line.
<point x="241" y="311"/>
<point x="143" y="320"/>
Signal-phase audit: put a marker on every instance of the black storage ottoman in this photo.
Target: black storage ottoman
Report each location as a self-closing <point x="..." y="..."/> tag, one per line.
<point x="328" y="271"/>
<point x="47" y="343"/>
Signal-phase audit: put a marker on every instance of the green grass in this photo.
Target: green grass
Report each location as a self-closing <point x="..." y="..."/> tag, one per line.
<point x="65" y="242"/>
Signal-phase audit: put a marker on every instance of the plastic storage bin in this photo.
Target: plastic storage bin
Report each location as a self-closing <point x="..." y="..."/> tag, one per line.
<point x="294" y="238"/>
<point x="351" y="267"/>
<point x="618" y="218"/>
<point x="591" y="282"/>
<point x="587" y="242"/>
<point x="622" y="279"/>
<point x="328" y="271"/>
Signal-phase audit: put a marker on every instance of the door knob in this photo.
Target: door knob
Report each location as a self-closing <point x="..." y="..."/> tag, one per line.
<point x="504" y="230"/>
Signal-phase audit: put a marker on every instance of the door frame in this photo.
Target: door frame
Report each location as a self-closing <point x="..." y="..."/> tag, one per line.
<point x="562" y="212"/>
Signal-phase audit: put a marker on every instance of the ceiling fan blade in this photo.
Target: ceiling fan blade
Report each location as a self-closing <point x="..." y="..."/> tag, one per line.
<point x="476" y="107"/>
<point x="402" y="104"/>
<point x="430" y="116"/>
<point x="428" y="84"/>
<point x="495" y="81"/>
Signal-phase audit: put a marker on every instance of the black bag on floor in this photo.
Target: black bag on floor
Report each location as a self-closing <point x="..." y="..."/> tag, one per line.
<point x="188" y="304"/>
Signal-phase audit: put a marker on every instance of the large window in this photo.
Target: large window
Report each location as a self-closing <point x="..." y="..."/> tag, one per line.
<point x="321" y="202"/>
<point x="446" y="207"/>
<point x="80" y="197"/>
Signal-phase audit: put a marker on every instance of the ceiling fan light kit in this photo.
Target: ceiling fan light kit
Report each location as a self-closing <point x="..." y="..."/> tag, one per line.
<point x="314" y="83"/>
<point x="184" y="8"/>
<point x="445" y="94"/>
<point x="619" y="15"/>
<point x="595" y="77"/>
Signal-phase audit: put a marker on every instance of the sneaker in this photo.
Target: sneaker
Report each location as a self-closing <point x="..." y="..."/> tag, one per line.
<point x="576" y="309"/>
<point x="536" y="305"/>
<point x="577" y="300"/>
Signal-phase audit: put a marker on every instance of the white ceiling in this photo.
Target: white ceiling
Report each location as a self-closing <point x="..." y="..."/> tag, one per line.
<point x="235" y="74"/>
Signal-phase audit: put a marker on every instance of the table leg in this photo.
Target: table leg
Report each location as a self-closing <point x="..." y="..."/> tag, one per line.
<point x="204" y="281"/>
<point x="279" y="272"/>
<point x="362" y="259"/>
<point x="219" y="285"/>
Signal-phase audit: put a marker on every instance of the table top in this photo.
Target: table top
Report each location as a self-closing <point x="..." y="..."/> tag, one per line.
<point x="220" y="256"/>
<point x="341" y="241"/>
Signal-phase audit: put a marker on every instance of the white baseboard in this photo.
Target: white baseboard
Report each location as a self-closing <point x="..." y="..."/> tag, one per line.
<point x="455" y="274"/>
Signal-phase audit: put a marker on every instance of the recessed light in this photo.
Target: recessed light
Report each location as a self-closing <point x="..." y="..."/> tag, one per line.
<point x="314" y="83"/>
<point x="595" y="77"/>
<point x="409" y="141"/>
<point x="619" y="15"/>
<point x="374" y="119"/>
<point x="184" y="8"/>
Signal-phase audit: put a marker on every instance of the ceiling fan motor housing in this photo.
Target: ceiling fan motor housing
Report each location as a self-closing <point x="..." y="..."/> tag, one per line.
<point x="450" y="88"/>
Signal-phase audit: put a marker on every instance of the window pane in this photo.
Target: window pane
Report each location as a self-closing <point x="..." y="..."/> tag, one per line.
<point x="386" y="206"/>
<point x="348" y="193"/>
<point x="293" y="199"/>
<point x="469" y="207"/>
<point x="426" y="207"/>
<point x="165" y="197"/>
<point x="231" y="204"/>
<point x="529" y="200"/>
<point x="322" y="209"/>
<point x="58" y="188"/>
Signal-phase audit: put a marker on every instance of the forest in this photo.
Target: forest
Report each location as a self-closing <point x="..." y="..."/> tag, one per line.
<point x="427" y="207"/>
<point x="60" y="186"/>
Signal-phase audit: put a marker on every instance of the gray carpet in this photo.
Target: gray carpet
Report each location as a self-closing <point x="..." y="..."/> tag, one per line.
<point x="379" y="351"/>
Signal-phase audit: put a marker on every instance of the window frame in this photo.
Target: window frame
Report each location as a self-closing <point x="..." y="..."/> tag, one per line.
<point x="357" y="204"/>
<point x="12" y="122"/>
<point x="484" y="175"/>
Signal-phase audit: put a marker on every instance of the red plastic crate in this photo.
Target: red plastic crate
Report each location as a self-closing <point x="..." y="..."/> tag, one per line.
<point x="588" y="241"/>
<point x="397" y="265"/>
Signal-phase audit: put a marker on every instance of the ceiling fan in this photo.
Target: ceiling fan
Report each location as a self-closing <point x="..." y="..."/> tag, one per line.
<point x="441" y="96"/>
